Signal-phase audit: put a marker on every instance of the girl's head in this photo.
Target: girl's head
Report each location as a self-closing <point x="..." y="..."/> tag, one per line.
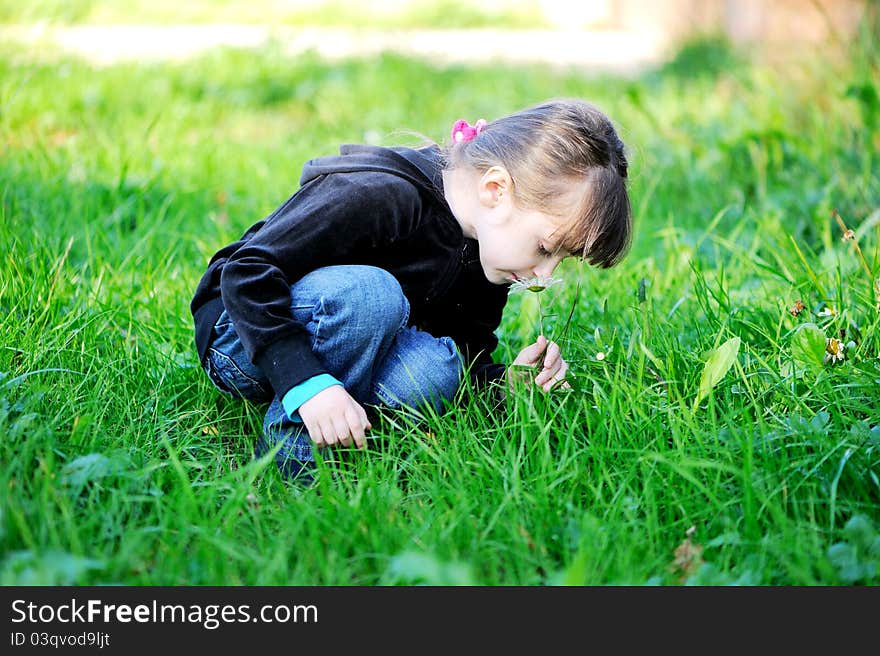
<point x="560" y="161"/>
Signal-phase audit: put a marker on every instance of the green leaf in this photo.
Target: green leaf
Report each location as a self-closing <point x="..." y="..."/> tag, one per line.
<point x="808" y="346"/>
<point x="718" y="363"/>
<point x="409" y="568"/>
<point x="52" y="567"/>
<point x="91" y="468"/>
<point x="860" y="532"/>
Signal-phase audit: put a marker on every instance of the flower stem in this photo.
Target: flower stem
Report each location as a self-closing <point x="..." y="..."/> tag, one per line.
<point x="855" y="244"/>
<point x="541" y="325"/>
<point x="848" y="235"/>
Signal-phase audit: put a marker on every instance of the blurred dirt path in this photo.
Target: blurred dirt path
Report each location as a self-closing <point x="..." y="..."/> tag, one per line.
<point x="619" y="52"/>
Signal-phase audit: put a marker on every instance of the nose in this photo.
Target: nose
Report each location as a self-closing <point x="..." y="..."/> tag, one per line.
<point x="546" y="269"/>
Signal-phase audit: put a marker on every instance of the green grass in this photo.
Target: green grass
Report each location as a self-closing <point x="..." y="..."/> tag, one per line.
<point x="119" y="463"/>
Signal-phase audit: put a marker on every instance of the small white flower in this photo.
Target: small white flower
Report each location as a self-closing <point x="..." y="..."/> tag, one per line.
<point x="826" y="312"/>
<point x="535" y="284"/>
<point x="834" y="350"/>
<point x="600" y="356"/>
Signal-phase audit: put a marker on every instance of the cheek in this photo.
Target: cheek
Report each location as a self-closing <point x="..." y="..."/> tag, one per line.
<point x="492" y="251"/>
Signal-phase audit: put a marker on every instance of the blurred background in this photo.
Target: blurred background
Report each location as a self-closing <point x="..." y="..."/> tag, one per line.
<point x="621" y="36"/>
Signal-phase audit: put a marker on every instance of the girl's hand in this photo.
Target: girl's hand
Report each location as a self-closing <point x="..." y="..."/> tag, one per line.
<point x="552" y="372"/>
<point x="332" y="416"/>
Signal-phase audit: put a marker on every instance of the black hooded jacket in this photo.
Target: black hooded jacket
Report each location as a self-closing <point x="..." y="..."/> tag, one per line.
<point x="368" y="205"/>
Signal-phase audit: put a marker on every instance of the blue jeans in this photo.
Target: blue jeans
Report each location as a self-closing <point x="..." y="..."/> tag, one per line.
<point x="356" y="317"/>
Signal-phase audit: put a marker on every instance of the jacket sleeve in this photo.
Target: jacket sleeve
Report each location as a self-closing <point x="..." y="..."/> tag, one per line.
<point x="477" y="340"/>
<point x="328" y="221"/>
<point x="470" y="313"/>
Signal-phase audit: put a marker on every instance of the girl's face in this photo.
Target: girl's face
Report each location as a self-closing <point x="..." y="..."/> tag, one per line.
<point x="523" y="245"/>
<point x="514" y="242"/>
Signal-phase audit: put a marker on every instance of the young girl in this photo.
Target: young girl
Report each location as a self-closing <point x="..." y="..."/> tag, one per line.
<point x="381" y="281"/>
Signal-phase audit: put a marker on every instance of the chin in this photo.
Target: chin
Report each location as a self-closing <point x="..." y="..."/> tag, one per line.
<point x="498" y="278"/>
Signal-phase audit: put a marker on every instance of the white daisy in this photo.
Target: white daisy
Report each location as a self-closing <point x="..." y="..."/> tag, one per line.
<point x="535" y="284"/>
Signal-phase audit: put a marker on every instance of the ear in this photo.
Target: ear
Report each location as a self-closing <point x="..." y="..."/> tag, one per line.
<point x="495" y="187"/>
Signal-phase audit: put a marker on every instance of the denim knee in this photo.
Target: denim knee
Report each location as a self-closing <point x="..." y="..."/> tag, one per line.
<point x="229" y="367"/>
<point x="445" y="375"/>
<point x="368" y="299"/>
<point x="422" y="369"/>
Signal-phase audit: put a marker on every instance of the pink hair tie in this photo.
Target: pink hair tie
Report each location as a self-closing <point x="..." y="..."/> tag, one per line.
<point x="464" y="131"/>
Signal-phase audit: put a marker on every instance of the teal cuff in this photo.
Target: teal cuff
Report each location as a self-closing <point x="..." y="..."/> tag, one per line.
<point x="304" y="391"/>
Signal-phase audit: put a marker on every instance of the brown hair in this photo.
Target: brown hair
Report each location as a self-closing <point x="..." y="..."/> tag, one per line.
<point x="547" y="149"/>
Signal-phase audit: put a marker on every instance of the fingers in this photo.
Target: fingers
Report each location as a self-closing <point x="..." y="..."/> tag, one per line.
<point x="365" y="422"/>
<point x="552" y="363"/>
<point x="342" y="430"/>
<point x="316" y="434"/>
<point x="538" y="349"/>
<point x="553" y="357"/>
<point x="531" y="354"/>
<point x="357" y="425"/>
<point x="554" y="370"/>
<point x="332" y="417"/>
<point x="345" y="429"/>
<point x="559" y="378"/>
<point x="553" y="367"/>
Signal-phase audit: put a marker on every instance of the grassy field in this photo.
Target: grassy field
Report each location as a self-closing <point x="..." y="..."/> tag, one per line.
<point x="706" y="441"/>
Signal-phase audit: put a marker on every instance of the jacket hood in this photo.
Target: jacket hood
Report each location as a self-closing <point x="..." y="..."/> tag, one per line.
<point x="422" y="167"/>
